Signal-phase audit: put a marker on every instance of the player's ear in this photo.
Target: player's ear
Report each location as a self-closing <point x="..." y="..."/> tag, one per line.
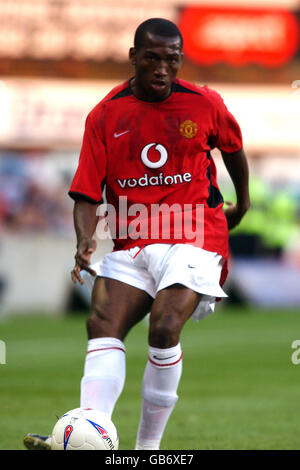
<point x="132" y="55"/>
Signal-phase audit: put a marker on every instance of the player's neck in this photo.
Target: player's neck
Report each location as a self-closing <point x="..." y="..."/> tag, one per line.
<point x="139" y="92"/>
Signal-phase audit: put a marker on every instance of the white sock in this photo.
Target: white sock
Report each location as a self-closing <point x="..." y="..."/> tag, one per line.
<point x="104" y="374"/>
<point x="161" y="379"/>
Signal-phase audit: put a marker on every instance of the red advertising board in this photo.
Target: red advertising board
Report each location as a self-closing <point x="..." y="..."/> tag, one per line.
<point x="239" y="36"/>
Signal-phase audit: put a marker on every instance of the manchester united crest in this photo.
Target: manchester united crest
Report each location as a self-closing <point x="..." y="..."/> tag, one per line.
<point x="188" y="129"/>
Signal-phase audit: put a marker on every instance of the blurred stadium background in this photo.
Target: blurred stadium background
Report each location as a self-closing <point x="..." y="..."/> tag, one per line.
<point x="58" y="58"/>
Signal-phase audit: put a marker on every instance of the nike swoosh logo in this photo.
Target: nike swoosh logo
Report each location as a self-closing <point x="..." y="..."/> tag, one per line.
<point x="189" y="266"/>
<point x="118" y="134"/>
<point x="164" y="358"/>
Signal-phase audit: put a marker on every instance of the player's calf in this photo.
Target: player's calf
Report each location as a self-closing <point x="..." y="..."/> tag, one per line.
<point x="161" y="379"/>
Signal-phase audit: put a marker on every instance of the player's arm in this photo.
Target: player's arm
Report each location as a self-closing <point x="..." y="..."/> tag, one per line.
<point x="85" y="223"/>
<point x="237" y="167"/>
<point x="86" y="190"/>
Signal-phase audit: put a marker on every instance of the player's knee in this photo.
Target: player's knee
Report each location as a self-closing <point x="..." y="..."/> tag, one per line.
<point x="164" y="332"/>
<point x="98" y="325"/>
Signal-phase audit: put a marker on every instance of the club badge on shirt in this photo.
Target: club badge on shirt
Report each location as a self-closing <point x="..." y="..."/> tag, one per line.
<point x="188" y="129"/>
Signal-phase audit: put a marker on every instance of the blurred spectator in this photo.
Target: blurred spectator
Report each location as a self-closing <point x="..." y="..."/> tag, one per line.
<point x="270" y="225"/>
<point x="28" y="201"/>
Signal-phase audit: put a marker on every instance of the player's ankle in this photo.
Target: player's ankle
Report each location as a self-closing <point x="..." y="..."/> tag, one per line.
<point x="147" y="445"/>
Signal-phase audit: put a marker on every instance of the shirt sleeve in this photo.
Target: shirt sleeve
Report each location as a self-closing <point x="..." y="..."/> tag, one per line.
<point x="90" y="175"/>
<point x="227" y="135"/>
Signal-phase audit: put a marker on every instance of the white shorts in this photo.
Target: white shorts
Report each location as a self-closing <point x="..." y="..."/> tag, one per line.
<point x="160" y="265"/>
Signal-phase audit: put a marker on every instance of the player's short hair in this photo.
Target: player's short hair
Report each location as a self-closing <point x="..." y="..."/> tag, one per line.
<point x="157" y="27"/>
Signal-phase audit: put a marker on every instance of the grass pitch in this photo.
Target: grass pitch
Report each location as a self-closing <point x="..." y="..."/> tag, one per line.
<point x="239" y="389"/>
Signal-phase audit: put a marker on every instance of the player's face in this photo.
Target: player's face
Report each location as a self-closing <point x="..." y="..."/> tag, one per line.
<point x="156" y="63"/>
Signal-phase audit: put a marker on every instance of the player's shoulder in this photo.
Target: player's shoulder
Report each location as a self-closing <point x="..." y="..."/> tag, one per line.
<point x="204" y="91"/>
<point x="119" y="91"/>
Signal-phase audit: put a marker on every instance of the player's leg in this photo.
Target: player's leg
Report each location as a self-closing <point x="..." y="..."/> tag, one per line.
<point x="116" y="308"/>
<point x="171" y="309"/>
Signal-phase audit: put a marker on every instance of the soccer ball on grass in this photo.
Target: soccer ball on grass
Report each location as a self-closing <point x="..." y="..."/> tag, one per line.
<point x="84" y="429"/>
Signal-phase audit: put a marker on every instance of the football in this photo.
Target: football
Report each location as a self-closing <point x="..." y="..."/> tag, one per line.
<point x="84" y="429"/>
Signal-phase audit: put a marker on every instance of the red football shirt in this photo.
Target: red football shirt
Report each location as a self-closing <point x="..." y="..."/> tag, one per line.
<point x="154" y="153"/>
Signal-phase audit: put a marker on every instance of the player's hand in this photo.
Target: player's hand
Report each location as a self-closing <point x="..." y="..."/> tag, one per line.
<point x="234" y="214"/>
<point x="83" y="255"/>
